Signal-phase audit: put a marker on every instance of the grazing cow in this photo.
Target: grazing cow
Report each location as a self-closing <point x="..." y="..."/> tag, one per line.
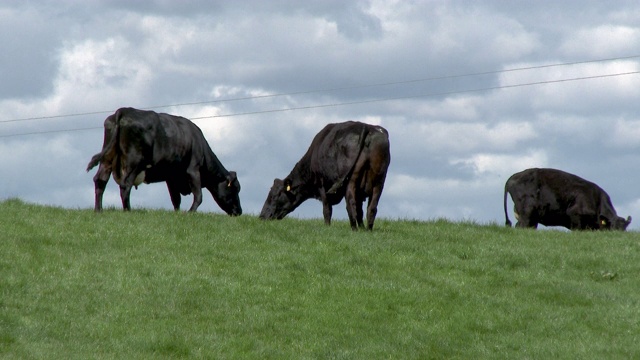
<point x="555" y="198"/>
<point x="345" y="160"/>
<point x="145" y="146"/>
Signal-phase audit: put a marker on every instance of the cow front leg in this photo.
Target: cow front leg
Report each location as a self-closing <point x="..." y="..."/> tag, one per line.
<point x="581" y="217"/>
<point x="197" y="199"/>
<point x="100" y="180"/>
<point x="196" y="189"/>
<point x="327" y="211"/>
<point x="174" y="193"/>
<point x="327" y="208"/>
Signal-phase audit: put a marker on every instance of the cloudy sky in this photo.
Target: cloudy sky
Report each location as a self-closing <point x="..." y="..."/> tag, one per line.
<point x="471" y="92"/>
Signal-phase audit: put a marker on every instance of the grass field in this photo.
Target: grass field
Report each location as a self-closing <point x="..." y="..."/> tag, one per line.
<point x="160" y="284"/>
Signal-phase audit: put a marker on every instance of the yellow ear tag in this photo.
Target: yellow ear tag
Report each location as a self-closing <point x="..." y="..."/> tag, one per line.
<point x="604" y="222"/>
<point x="288" y="187"/>
<point x="229" y="184"/>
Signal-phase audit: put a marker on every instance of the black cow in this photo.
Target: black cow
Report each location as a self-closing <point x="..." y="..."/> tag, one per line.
<point x="345" y="160"/>
<point x="556" y="198"/>
<point x="145" y="146"/>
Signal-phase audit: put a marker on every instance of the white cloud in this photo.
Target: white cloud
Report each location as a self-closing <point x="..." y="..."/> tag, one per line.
<point x="585" y="96"/>
<point x="503" y="164"/>
<point x="456" y="138"/>
<point x="98" y="75"/>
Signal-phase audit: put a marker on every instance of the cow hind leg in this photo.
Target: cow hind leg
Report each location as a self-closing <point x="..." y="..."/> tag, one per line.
<point x="527" y="224"/>
<point x="128" y="182"/>
<point x="125" y="191"/>
<point x="125" y="196"/>
<point x="359" y="213"/>
<point x="525" y="220"/>
<point x="352" y="204"/>
<point x="130" y="166"/>
<point x="372" y="207"/>
<point x="100" y="180"/>
<point x="525" y="212"/>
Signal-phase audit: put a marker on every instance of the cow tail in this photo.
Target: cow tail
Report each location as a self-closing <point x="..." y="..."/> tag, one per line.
<point x="116" y="146"/>
<point x="340" y="184"/>
<point x="97" y="158"/>
<point x="506" y="214"/>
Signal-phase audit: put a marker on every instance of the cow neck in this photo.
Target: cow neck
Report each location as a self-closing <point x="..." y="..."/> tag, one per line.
<point x="301" y="177"/>
<point x="606" y="206"/>
<point x="215" y="167"/>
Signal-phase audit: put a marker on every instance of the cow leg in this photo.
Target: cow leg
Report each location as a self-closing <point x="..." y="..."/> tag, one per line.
<point x="525" y="221"/>
<point x="197" y="198"/>
<point x="125" y="192"/>
<point x="360" y="212"/>
<point x="127" y="184"/>
<point x="350" y="199"/>
<point x="581" y="216"/>
<point x="527" y="224"/>
<point x="575" y="221"/>
<point x="196" y="189"/>
<point x="100" y="180"/>
<point x="327" y="211"/>
<point x="584" y="222"/>
<point x="525" y="212"/>
<point x="125" y="196"/>
<point x="174" y="193"/>
<point x="372" y="208"/>
<point x="327" y="208"/>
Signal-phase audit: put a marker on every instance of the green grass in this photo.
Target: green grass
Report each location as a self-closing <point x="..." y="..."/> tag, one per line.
<point x="160" y="284"/>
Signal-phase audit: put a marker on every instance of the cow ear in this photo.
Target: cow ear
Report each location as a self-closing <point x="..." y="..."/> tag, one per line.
<point x="603" y="221"/>
<point x="231" y="177"/>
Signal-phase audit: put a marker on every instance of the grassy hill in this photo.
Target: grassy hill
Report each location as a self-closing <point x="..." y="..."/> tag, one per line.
<point x="160" y="284"/>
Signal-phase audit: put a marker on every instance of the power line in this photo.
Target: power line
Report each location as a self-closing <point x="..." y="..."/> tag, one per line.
<point x="582" y="78"/>
<point x="51" y="132"/>
<point x="255" y="97"/>
<point x="417" y="96"/>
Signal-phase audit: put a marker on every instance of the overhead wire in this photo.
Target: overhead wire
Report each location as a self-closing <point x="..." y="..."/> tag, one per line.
<point x="346" y="88"/>
<point x="417" y="96"/>
<point x="254" y="97"/>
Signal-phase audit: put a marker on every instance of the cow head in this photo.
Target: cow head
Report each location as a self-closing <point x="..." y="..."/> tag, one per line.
<point x="616" y="223"/>
<point x="227" y="194"/>
<point x="283" y="198"/>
